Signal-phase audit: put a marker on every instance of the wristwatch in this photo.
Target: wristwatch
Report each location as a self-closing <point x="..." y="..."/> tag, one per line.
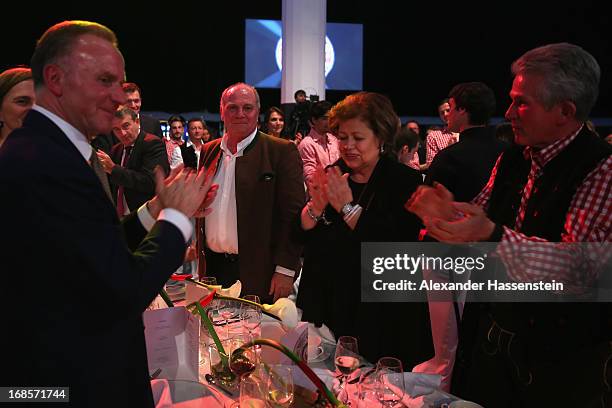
<point x="347" y="209"/>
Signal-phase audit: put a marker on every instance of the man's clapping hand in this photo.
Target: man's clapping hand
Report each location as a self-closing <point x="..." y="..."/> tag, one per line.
<point x="184" y="190"/>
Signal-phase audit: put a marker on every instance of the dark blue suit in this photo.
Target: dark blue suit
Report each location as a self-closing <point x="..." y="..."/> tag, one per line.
<point x="74" y="292"/>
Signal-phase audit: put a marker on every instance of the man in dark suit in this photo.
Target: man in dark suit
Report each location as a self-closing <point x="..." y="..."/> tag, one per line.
<point x="76" y="319"/>
<point x="149" y="124"/>
<point x="249" y="234"/>
<point x="198" y="135"/>
<point x="464" y="167"/>
<point x="132" y="162"/>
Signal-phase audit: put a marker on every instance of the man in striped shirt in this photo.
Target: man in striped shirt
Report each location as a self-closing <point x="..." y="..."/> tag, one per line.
<point x="539" y="202"/>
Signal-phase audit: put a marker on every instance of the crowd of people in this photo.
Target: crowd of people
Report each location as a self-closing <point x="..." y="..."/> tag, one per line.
<point x="101" y="209"/>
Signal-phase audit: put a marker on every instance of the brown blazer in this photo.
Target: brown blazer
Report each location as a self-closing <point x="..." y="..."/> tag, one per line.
<point x="269" y="196"/>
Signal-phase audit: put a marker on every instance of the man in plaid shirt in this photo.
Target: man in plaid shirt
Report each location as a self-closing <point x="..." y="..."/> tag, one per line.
<point x="544" y="195"/>
<point x="439" y="139"/>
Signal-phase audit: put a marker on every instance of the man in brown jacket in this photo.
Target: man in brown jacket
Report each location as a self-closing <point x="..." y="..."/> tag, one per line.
<point x="261" y="193"/>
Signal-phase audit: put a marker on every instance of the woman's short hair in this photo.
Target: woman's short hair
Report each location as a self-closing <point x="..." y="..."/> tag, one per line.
<point x="374" y="109"/>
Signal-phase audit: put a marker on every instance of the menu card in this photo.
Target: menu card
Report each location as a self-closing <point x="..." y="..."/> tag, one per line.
<point x="171" y="336"/>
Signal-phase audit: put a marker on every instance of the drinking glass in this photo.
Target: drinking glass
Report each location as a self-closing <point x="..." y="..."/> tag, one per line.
<point x="227" y="312"/>
<point x="390" y="377"/>
<point x="346" y="358"/>
<point x="280" y="386"/>
<point x="242" y="361"/>
<point x="252" y="394"/>
<point x="251" y="317"/>
<point x="367" y="396"/>
<point x="220" y="371"/>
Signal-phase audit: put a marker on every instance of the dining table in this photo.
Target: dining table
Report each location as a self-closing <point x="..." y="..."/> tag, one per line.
<point x="421" y="390"/>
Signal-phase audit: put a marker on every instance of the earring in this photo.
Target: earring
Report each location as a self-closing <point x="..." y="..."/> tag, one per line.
<point x="382" y="147"/>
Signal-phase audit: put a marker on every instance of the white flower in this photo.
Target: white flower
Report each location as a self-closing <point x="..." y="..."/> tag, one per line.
<point x="285" y="310"/>
<point x="232" y="291"/>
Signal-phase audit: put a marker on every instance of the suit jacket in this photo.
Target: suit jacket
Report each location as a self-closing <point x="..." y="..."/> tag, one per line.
<point x="105" y="142"/>
<point x="269" y="197"/>
<point x="189" y="156"/>
<point x="464" y="167"/>
<point x="150" y="125"/>
<point x="75" y="310"/>
<point x="138" y="177"/>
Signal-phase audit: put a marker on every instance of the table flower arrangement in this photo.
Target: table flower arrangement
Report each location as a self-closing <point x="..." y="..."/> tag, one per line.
<point x="283" y="309"/>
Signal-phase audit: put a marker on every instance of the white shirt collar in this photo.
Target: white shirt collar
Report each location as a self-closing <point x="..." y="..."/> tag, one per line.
<point x="77" y="138"/>
<point x="240" y="146"/>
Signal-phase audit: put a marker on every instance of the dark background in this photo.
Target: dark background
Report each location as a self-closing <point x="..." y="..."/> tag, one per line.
<point x="184" y="53"/>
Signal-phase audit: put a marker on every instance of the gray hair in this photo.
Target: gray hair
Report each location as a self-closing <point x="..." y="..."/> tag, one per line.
<point x="569" y="73"/>
<point x="125" y="111"/>
<point x="252" y="88"/>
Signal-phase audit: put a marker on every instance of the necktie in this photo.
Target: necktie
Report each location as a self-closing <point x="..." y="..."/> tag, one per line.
<point x="97" y="168"/>
<point x="120" y="201"/>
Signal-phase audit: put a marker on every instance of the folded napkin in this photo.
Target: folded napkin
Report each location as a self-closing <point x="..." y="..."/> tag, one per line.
<point x="323" y="332"/>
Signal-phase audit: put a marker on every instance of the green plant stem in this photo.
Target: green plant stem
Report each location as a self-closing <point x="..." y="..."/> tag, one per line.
<point x="212" y="332"/>
<point x="307" y="370"/>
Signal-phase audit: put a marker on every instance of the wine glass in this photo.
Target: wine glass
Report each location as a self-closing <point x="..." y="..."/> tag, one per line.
<point x="251" y="316"/>
<point x="280" y="386"/>
<point x="205" y="338"/>
<point x="219" y="364"/>
<point x="227" y="312"/>
<point x="252" y="394"/>
<point x="346" y="358"/>
<point x="242" y="361"/>
<point x="390" y="377"/>
<point x="367" y="387"/>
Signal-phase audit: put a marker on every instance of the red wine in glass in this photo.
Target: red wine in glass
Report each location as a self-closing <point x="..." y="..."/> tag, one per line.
<point x="346" y="364"/>
<point x="240" y="363"/>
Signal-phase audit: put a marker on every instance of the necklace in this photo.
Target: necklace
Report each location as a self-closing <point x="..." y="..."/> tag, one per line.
<point x="363" y="196"/>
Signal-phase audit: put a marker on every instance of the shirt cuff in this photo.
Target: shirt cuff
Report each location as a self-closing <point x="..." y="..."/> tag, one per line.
<point x="145" y="217"/>
<point x="179" y="220"/>
<point x="284" y="271"/>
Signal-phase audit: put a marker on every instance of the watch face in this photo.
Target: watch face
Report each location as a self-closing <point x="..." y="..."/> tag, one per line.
<point x="346" y="208"/>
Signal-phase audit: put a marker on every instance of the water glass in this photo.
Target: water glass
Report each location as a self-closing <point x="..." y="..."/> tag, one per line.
<point x="218" y="369"/>
<point x="229" y="313"/>
<point x="252" y="393"/>
<point x="366" y="395"/>
<point x="390" y="379"/>
<point x="280" y="386"/>
<point x="251" y="316"/>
